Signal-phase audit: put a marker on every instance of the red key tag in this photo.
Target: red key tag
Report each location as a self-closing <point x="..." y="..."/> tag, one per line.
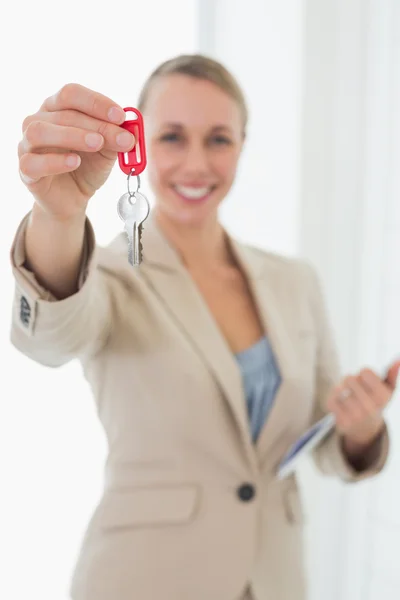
<point x="134" y="162"/>
<point x="133" y="207"/>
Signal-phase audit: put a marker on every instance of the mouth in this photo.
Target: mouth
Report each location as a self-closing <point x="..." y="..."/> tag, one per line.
<point x="193" y="194"/>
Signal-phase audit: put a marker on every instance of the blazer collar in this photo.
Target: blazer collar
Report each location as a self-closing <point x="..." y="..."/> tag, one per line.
<point x="159" y="252"/>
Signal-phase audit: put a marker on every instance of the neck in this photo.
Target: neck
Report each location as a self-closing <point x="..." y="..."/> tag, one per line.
<point x="200" y="246"/>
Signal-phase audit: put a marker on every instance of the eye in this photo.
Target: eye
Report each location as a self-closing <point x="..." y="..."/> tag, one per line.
<point x="221" y="140"/>
<point x="170" y="137"/>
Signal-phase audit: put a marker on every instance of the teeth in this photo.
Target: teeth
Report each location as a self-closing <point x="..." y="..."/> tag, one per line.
<point x="194" y="193"/>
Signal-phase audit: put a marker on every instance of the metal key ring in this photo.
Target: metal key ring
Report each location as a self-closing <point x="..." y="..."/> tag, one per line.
<point x="132" y="194"/>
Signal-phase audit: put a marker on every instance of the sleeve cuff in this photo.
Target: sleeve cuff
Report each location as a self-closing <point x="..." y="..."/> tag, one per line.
<point x="29" y="292"/>
<point x="331" y="459"/>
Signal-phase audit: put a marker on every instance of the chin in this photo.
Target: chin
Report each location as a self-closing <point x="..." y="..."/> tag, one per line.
<point x="191" y="213"/>
<point x="189" y="216"/>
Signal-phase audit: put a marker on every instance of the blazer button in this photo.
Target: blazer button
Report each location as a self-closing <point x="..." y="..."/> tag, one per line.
<point x="246" y="492"/>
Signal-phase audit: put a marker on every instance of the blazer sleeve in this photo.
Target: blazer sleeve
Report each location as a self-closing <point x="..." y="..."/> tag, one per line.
<point x="329" y="456"/>
<point x="51" y="331"/>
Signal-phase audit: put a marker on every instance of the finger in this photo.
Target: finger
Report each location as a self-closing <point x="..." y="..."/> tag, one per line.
<point x="78" y="97"/>
<point x="39" y="135"/>
<point x="337" y="404"/>
<point x="378" y="389"/>
<point x="392" y="375"/>
<point x="342" y="417"/>
<point x="33" y="167"/>
<point x="116" y="138"/>
<point x="353" y="407"/>
<point x="361" y="402"/>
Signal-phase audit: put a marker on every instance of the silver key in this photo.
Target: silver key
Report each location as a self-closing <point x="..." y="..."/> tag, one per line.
<point x="133" y="209"/>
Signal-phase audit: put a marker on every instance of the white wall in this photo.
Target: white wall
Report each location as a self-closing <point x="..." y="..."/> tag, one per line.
<point x="382" y="251"/>
<point x="51" y="446"/>
<point x="350" y="228"/>
<point x="260" y="42"/>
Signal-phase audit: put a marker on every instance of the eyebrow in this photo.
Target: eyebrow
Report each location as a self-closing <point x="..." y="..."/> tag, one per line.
<point x="173" y="125"/>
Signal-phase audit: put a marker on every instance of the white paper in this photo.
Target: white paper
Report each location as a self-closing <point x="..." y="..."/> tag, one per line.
<point x="304" y="444"/>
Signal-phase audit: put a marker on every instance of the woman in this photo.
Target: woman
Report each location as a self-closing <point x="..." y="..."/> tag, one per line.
<point x="206" y="363"/>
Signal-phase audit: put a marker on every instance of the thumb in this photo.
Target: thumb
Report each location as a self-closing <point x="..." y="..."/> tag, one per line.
<point x="392" y="374"/>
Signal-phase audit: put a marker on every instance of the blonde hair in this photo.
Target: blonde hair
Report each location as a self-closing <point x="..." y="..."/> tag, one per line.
<point x="199" y="67"/>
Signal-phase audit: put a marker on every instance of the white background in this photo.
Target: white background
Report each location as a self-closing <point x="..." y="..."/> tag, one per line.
<point x="319" y="177"/>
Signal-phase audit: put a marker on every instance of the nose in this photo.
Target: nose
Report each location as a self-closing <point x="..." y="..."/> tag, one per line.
<point x="196" y="159"/>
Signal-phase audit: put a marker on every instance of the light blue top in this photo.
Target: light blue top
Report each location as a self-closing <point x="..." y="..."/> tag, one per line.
<point x="261" y="380"/>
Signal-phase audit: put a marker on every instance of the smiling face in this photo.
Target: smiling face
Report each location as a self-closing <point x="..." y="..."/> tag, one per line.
<point x="194" y="136"/>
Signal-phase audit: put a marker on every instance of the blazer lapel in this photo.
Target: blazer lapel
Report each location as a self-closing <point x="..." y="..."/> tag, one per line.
<point x="164" y="271"/>
<point x="273" y="302"/>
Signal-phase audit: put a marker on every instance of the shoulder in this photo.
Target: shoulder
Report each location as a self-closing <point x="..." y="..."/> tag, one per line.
<point x="291" y="268"/>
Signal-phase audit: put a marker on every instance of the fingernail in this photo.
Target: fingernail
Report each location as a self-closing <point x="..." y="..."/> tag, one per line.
<point x="26" y="179"/>
<point x="125" y="139"/>
<point x="94" y="140"/>
<point x="116" y="115"/>
<point x="73" y="161"/>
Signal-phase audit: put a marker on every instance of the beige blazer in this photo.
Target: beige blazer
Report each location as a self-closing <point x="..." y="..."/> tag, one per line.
<point x="192" y="509"/>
